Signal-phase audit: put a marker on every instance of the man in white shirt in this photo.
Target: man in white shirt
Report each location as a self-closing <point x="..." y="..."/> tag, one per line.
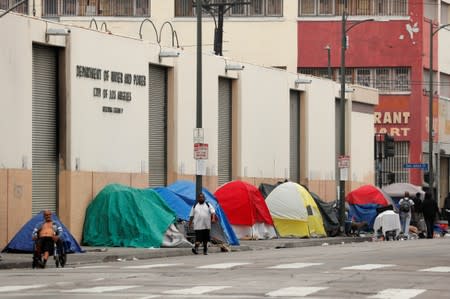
<point x="200" y="216"/>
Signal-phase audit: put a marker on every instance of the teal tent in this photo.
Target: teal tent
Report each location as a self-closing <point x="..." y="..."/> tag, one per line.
<point x="123" y="216"/>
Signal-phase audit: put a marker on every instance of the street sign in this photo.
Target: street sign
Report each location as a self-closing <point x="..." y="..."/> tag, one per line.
<point x="423" y="166"/>
<point x="200" y="151"/>
<point x="344" y="162"/>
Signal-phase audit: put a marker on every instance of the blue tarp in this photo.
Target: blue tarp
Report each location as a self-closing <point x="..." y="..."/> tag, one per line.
<point x="186" y="191"/>
<point x="175" y="202"/>
<point x="367" y="213"/>
<point x="23" y="242"/>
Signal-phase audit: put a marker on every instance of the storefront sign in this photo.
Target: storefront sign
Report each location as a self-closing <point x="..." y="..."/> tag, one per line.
<point x="394" y="123"/>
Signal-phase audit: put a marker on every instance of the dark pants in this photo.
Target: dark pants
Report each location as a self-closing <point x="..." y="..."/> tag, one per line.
<point x="430" y="226"/>
<point x="202" y="236"/>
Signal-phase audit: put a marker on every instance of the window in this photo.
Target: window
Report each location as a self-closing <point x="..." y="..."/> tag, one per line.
<point x="363" y="77"/>
<point x="387" y="80"/>
<point x="128" y="8"/>
<point x="256" y="8"/>
<point x="354" y="7"/>
<point x="6" y="4"/>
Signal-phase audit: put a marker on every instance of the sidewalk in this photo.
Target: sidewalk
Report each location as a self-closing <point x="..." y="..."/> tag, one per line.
<point x="110" y="254"/>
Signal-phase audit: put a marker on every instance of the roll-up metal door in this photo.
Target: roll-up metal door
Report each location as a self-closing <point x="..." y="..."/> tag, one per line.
<point x="44" y="131"/>
<point x="224" y="131"/>
<point x="294" y="137"/>
<point x="157" y="82"/>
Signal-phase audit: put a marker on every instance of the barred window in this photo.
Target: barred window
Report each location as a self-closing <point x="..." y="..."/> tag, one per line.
<point x="256" y="8"/>
<point x="387" y="80"/>
<point x="354" y="7"/>
<point x="128" y="8"/>
<point x="7" y="4"/>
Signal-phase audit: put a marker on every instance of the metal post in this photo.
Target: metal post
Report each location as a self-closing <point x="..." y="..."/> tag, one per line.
<point x="342" y="120"/>
<point x="430" y="116"/>
<point x="328" y="48"/>
<point x="198" y="178"/>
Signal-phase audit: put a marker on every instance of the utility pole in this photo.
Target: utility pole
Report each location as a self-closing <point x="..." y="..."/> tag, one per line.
<point x="220" y="8"/>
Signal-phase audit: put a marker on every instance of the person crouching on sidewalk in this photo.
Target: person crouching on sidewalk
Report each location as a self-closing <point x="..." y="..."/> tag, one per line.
<point x="201" y="215"/>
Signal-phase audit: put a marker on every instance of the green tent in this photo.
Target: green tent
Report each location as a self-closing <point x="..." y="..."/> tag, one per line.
<point x="122" y="216"/>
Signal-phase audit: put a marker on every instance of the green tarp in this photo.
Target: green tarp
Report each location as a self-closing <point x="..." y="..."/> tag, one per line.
<point x="122" y="216"/>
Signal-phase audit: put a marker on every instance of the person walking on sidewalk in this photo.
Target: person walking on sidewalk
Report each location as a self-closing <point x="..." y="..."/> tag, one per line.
<point x="405" y="205"/>
<point x="201" y="215"/>
<point x="429" y="209"/>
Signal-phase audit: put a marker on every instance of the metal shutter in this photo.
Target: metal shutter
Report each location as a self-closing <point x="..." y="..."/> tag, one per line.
<point x="224" y="131"/>
<point x="157" y="82"/>
<point x="294" y="138"/>
<point x="44" y="131"/>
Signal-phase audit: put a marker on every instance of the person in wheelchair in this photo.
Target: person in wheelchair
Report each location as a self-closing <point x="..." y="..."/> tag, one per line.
<point x="46" y="234"/>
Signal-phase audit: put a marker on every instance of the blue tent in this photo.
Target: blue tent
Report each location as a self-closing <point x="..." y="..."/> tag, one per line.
<point x="23" y="242"/>
<point x="186" y="191"/>
<point x="175" y="202"/>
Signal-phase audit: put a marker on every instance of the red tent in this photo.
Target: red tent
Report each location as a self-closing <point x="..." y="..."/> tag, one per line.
<point x="368" y="194"/>
<point x="243" y="203"/>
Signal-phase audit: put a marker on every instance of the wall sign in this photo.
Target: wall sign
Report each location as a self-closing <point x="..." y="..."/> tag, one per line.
<point x="111" y="94"/>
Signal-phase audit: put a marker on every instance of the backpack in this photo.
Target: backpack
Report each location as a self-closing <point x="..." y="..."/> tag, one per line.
<point x="404" y="206"/>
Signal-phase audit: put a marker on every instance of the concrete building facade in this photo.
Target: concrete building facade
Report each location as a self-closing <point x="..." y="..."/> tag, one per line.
<point x="81" y="109"/>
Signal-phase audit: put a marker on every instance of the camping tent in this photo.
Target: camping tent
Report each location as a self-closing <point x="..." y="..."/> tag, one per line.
<point x="265" y="189"/>
<point x="186" y="191"/>
<point x="365" y="203"/>
<point x="294" y="211"/>
<point x="329" y="215"/>
<point x="246" y="210"/>
<point x="23" y="243"/>
<point x="123" y="216"/>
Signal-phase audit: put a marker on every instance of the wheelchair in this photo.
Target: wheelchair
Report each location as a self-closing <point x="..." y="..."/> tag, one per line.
<point x="59" y="254"/>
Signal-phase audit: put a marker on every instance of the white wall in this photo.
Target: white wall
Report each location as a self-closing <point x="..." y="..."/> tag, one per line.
<point x="108" y="141"/>
<point x="17" y="35"/>
<point x="118" y="142"/>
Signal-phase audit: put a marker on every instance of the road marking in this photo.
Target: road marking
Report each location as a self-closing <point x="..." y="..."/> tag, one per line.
<point x="367" y="267"/>
<point x="93" y="267"/>
<point x="398" y="293"/>
<point x="150" y="266"/>
<point x="222" y="266"/>
<point x="99" y="289"/>
<point x="198" y="290"/>
<point x="20" y="288"/>
<point x="294" y="265"/>
<point x="151" y="296"/>
<point x="437" y="269"/>
<point x="295" y="291"/>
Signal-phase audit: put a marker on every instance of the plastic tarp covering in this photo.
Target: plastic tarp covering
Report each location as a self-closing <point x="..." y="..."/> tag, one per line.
<point x="23" y="242"/>
<point x="123" y="216"/>
<point x="186" y="191"/>
<point x="174" y="238"/>
<point x="265" y="189"/>
<point x="399" y="189"/>
<point x="364" y="202"/>
<point x="329" y="215"/>
<point x="175" y="202"/>
<point x="294" y="211"/>
<point x="387" y="221"/>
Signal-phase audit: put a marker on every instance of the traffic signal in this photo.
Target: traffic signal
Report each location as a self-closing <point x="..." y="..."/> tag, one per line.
<point x="389" y="146"/>
<point x="391" y="178"/>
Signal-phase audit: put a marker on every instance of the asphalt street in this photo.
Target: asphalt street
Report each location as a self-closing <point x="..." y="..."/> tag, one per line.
<point x="398" y="269"/>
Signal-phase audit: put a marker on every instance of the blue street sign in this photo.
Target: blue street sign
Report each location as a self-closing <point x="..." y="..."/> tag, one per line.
<point x="423" y="166"/>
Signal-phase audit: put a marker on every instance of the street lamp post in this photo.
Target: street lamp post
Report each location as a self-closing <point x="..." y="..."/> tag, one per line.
<point x="342" y="109"/>
<point x="198" y="177"/>
<point x="430" y="115"/>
